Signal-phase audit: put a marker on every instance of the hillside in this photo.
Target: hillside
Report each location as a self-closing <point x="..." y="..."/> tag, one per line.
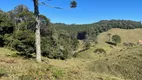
<point x="116" y="64"/>
<point x="127" y="35"/>
<point x="14" y="67"/>
<point x="125" y="64"/>
<point x="94" y="29"/>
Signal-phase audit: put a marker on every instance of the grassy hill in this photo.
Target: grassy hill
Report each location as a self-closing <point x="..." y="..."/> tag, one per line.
<point x="18" y="68"/>
<point x="126" y="64"/>
<point x="116" y="64"/>
<point x="127" y="35"/>
<point x="119" y="61"/>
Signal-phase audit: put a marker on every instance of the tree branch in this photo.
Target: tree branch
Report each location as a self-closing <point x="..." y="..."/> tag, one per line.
<point x="73" y="4"/>
<point x="51" y="6"/>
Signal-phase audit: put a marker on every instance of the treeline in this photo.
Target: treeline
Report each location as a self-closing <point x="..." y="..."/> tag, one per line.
<point x="90" y="31"/>
<point x="17" y="32"/>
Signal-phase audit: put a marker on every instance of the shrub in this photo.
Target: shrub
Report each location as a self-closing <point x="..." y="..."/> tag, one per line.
<point x="2" y="72"/>
<point x="75" y="54"/>
<point x="22" y="41"/>
<point x="58" y="73"/>
<point x="116" y="39"/>
<point x="74" y="44"/>
<point x="100" y="50"/>
<point x="87" y="45"/>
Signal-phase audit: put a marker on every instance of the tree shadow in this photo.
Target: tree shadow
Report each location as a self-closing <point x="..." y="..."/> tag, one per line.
<point x="111" y="43"/>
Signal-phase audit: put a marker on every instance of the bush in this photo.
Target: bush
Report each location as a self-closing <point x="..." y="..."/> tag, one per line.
<point x="2" y="72"/>
<point x="74" y="44"/>
<point x="75" y="55"/>
<point x="116" y="39"/>
<point x="100" y="50"/>
<point x="87" y="45"/>
<point x="22" y="41"/>
<point x="57" y="73"/>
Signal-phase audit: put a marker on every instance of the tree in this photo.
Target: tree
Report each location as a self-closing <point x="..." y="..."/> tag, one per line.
<point x="109" y="35"/>
<point x="37" y="33"/>
<point x="116" y="39"/>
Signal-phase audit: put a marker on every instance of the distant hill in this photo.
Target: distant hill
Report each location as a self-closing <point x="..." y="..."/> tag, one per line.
<point x="94" y="29"/>
<point x="127" y="35"/>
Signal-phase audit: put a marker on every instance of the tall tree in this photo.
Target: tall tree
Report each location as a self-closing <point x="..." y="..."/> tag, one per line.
<point x="37" y="33"/>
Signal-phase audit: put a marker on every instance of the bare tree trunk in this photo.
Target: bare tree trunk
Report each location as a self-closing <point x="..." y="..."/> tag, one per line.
<point x="37" y="33"/>
<point x="37" y="39"/>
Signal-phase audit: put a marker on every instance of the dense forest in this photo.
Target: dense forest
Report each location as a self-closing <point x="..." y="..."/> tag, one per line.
<point x="58" y="40"/>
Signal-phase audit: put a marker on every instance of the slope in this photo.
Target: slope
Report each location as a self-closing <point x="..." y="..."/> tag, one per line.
<point x="127" y="35"/>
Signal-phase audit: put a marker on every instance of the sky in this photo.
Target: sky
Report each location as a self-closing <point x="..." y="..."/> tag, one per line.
<point x="87" y="11"/>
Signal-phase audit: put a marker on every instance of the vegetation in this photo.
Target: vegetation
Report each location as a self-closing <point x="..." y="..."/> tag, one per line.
<point x="116" y="39"/>
<point x="87" y="45"/>
<point x="17" y="28"/>
<point x="126" y="63"/>
<point x="38" y="26"/>
<point x="109" y="35"/>
<point x="133" y="36"/>
<point x="94" y="29"/>
<point x="18" y="68"/>
<point x="111" y="66"/>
